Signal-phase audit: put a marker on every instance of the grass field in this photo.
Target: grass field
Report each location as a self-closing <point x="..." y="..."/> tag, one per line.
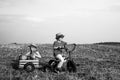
<point x="96" y="62"/>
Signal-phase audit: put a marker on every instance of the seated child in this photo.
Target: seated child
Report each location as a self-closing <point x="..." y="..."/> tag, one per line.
<point x="33" y="53"/>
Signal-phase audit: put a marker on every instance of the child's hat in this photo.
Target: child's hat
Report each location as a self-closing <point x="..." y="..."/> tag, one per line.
<point x="59" y="35"/>
<point x="32" y="46"/>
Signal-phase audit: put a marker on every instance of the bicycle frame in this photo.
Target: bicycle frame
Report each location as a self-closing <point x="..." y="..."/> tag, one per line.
<point x="53" y="63"/>
<point x="69" y="52"/>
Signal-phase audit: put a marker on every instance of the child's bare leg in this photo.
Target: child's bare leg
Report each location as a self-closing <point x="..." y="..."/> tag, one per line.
<point x="59" y="56"/>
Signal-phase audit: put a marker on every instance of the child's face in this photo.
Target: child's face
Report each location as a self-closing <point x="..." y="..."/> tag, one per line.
<point x="60" y="39"/>
<point x="33" y="49"/>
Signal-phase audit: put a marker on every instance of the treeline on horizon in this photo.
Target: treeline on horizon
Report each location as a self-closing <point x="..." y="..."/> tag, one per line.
<point x="109" y="43"/>
<point x="99" y="43"/>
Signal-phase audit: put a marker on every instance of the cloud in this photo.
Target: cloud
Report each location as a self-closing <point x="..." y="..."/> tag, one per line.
<point x="12" y="2"/>
<point x="19" y="18"/>
<point x="114" y="8"/>
<point x="33" y="19"/>
<point x="76" y="18"/>
<point x="8" y="18"/>
<point x="7" y="3"/>
<point x="11" y="18"/>
<point x="4" y="4"/>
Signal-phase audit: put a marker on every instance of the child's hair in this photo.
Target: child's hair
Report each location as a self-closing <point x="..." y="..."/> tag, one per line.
<point x="32" y="46"/>
<point x="59" y="35"/>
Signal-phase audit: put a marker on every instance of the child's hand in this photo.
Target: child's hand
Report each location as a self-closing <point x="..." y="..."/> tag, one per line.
<point x="61" y="47"/>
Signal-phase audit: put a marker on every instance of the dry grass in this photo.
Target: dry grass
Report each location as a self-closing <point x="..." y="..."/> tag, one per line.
<point x="96" y="62"/>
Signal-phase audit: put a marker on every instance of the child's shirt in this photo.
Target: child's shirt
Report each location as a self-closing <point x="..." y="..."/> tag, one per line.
<point x="34" y="55"/>
<point x="56" y="45"/>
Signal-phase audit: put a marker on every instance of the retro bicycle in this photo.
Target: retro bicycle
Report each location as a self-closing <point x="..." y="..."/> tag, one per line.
<point x="69" y="62"/>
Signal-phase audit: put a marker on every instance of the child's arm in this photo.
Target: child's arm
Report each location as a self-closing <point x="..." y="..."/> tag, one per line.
<point x="55" y="46"/>
<point x="28" y="53"/>
<point x="38" y="55"/>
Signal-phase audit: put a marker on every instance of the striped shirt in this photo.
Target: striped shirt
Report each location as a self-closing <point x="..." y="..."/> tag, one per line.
<point x="57" y="45"/>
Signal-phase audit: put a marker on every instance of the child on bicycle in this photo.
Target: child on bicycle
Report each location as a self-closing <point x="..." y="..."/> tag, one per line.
<point x="58" y="47"/>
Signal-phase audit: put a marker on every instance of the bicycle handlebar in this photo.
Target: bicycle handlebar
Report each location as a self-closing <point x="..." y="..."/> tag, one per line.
<point x="73" y="48"/>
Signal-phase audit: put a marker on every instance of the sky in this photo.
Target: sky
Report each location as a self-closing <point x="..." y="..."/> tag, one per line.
<point x="81" y="21"/>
